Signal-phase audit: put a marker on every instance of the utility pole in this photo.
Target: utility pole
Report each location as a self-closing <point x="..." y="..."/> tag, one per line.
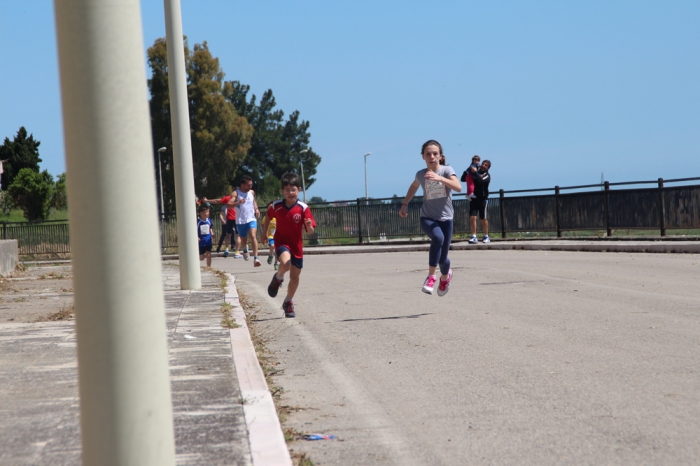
<point x="303" y="183"/>
<point x="187" y="242"/>
<point x="124" y="380"/>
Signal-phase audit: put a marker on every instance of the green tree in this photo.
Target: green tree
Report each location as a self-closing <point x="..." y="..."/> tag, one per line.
<point x="276" y="144"/>
<point x="59" y="200"/>
<point x="6" y="202"/>
<point x="22" y="152"/>
<point x="220" y="136"/>
<point x="32" y="192"/>
<point x="316" y="200"/>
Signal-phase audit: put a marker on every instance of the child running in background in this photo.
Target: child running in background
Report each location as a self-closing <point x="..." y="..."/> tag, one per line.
<point x="291" y="217"/>
<point x="204" y="233"/>
<point x="438" y="181"/>
<point x="469" y="175"/>
<point x="222" y="237"/>
<point x="271" y="240"/>
<point x="230" y="228"/>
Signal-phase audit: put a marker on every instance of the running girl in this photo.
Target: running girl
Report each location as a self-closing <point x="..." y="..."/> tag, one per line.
<point x="438" y="181"/>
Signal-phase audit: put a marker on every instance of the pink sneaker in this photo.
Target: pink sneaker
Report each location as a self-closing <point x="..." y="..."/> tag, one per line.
<point x="444" y="286"/>
<point x="429" y="284"/>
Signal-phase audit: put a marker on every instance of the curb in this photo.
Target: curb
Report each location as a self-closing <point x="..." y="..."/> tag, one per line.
<point x="265" y="436"/>
<point x="675" y="246"/>
<point x="654" y="247"/>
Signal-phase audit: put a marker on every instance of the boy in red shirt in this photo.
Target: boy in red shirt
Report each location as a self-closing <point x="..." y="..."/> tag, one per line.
<point x="292" y="215"/>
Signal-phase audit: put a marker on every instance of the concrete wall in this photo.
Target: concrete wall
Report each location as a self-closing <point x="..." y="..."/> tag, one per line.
<point x="8" y="256"/>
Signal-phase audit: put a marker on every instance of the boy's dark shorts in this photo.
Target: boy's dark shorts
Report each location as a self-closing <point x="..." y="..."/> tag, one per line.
<point x="203" y="249"/>
<point x="297" y="262"/>
<point x="230" y="227"/>
<point x="478" y="207"/>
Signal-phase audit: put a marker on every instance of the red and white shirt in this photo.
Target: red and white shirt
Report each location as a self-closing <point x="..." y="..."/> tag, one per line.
<point x="290" y="223"/>
<point x="230" y="212"/>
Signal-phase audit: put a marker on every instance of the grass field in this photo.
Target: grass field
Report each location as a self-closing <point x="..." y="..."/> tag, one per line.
<point x="16" y="215"/>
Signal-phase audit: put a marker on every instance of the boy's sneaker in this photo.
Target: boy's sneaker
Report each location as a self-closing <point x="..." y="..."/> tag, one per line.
<point x="246" y="256"/>
<point x="473" y="240"/>
<point x="236" y="255"/>
<point x="444" y="286"/>
<point x="269" y="259"/>
<point x="277" y="266"/>
<point x="226" y="253"/>
<point x="288" y="308"/>
<point x="274" y="286"/>
<point x="256" y="262"/>
<point x="486" y="239"/>
<point x="429" y="284"/>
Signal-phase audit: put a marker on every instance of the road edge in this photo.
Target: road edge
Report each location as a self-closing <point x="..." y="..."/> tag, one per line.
<point x="265" y="436"/>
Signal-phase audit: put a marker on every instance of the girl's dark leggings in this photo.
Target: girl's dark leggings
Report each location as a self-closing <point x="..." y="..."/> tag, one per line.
<point x="440" y="234"/>
<point x="222" y="237"/>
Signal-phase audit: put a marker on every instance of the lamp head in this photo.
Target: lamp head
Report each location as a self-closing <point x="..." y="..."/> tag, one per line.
<point x="162" y="149"/>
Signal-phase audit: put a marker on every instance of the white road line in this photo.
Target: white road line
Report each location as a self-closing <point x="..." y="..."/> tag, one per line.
<point x="265" y="434"/>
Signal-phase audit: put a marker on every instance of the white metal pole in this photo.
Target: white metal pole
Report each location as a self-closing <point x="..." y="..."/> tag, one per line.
<point x="125" y="402"/>
<point x="366" y="191"/>
<point x="160" y="183"/>
<point x="303" y="182"/>
<point x="187" y="243"/>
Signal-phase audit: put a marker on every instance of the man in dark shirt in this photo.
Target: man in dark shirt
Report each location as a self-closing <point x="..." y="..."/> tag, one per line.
<point x="478" y="205"/>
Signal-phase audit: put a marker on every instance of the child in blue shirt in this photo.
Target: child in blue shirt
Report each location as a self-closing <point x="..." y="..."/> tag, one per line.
<point x="204" y="233"/>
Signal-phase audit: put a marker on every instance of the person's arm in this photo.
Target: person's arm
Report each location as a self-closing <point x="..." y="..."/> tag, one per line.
<point x="409" y="195"/>
<point x="308" y="225"/>
<point x="486" y="180"/>
<point x="255" y="203"/>
<point x="233" y="202"/>
<point x="450" y="182"/>
<point x="265" y="226"/>
<point x="309" y="221"/>
<point x="221" y="200"/>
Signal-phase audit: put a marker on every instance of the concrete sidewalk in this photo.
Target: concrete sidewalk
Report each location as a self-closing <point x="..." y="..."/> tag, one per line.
<point x="39" y="412"/>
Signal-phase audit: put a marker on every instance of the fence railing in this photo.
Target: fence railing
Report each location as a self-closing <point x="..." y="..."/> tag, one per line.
<point x="590" y="207"/>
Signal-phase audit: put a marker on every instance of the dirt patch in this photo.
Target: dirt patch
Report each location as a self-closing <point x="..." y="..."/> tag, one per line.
<point x="37" y="293"/>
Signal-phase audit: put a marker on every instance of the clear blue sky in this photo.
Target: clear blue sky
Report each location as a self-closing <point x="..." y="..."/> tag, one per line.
<point x="552" y="92"/>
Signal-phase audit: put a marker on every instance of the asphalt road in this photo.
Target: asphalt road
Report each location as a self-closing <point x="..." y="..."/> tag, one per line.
<point x="533" y="357"/>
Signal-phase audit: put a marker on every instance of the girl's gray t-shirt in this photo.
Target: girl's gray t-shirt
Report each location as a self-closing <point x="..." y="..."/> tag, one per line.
<point x="437" y="198"/>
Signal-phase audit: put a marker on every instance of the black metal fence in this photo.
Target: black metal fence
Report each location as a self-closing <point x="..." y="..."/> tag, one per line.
<point x="605" y="209"/>
<point x="590" y="207"/>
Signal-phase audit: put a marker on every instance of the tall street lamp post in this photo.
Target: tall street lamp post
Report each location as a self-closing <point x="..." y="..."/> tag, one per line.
<point x="366" y="191"/>
<point x="303" y="183"/>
